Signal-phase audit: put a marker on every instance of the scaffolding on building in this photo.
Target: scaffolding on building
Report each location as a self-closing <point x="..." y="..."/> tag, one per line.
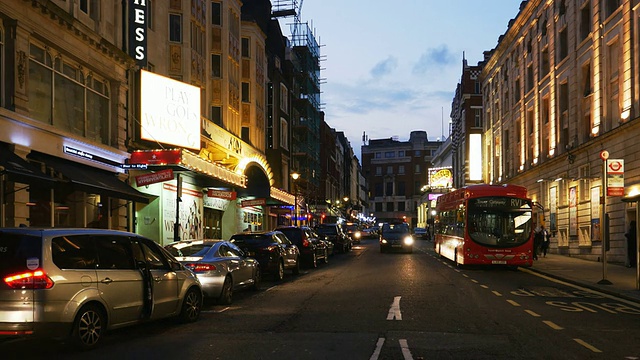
<point x="304" y="54"/>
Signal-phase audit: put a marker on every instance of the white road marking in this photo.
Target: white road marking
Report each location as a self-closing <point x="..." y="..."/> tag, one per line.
<point x="552" y="325"/>
<point x="588" y="346"/>
<point x="394" y="311"/>
<point x="376" y="352"/>
<point x="405" y="350"/>
<point x="484" y="286"/>
<point x="474" y="281"/>
<point x="532" y="313"/>
<point x="496" y="293"/>
<point x="513" y="303"/>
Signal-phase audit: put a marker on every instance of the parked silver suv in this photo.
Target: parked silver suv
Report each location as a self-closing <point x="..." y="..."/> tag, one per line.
<point x="78" y="283"/>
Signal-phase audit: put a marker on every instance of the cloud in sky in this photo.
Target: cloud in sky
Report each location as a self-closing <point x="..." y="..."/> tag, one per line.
<point x="435" y="58"/>
<point x="384" y="67"/>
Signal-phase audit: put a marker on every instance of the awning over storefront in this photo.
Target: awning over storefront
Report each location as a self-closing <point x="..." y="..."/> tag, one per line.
<point x="282" y="196"/>
<point x="20" y="170"/>
<point x="186" y="160"/>
<point x="92" y="180"/>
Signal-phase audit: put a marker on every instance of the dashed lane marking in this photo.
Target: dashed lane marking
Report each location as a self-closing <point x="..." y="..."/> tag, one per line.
<point x="532" y="313"/>
<point x="484" y="286"/>
<point x="376" y="352"/>
<point x="553" y="325"/>
<point x="514" y="303"/>
<point x="496" y="293"/>
<point x="406" y="353"/>
<point x="587" y="345"/>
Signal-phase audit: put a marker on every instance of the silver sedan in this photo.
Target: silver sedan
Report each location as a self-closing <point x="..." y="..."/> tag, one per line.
<point x="221" y="267"/>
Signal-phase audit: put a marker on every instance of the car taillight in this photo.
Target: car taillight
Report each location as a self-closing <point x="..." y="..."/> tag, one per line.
<point x="29" y="280"/>
<point x="305" y="243"/>
<point x="201" y="267"/>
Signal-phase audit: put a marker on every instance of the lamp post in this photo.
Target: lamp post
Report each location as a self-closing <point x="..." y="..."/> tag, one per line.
<point x="295" y="176"/>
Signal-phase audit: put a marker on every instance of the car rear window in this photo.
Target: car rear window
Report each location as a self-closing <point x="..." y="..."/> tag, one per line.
<point x="188" y="250"/>
<point x="19" y="252"/>
<point x="294" y="235"/>
<point x="328" y="230"/>
<point x="250" y="239"/>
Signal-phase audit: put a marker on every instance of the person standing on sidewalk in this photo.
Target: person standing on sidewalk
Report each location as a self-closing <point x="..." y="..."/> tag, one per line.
<point x="632" y="249"/>
<point x="546" y="240"/>
<point x="538" y="237"/>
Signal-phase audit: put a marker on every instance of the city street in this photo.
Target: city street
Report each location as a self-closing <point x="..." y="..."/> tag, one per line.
<point x="368" y="305"/>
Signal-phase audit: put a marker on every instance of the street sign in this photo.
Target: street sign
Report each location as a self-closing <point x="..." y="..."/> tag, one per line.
<point x="615" y="177"/>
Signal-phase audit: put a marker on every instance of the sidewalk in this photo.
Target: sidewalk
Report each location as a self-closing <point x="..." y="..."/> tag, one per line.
<point x="587" y="274"/>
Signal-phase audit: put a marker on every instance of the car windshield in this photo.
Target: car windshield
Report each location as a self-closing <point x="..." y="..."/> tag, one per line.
<point x="395" y="228"/>
<point x="494" y="221"/>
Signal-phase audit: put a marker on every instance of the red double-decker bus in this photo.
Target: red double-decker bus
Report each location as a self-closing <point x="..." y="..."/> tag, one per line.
<point x="485" y="225"/>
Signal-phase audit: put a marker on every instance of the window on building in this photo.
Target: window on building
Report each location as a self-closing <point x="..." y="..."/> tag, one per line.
<point x="417" y="153"/>
<point x="216" y="13"/>
<point x="150" y="14"/>
<point x="246" y="134"/>
<point x="545" y="65"/>
<point x="284" y="134"/>
<point x="401" y="206"/>
<point x="389" y="154"/>
<point x="378" y="206"/>
<point x="562" y="8"/>
<point x="216" y="66"/>
<point x="611" y="6"/>
<point x="245" y="92"/>
<point x="378" y="170"/>
<point x="401" y="153"/>
<point x="401" y="169"/>
<point x="516" y="90"/>
<point x="477" y="120"/>
<point x="246" y="47"/>
<point x="417" y="169"/>
<point x="62" y="95"/>
<point x="378" y="189"/>
<point x="2" y="70"/>
<point x="388" y="189"/>
<point x="402" y="189"/>
<point x="216" y="115"/>
<point x="175" y="28"/>
<point x="390" y="206"/>
<point x="563" y="140"/>
<point x="284" y="98"/>
<point x="389" y="170"/>
<point x="378" y="155"/>
<point x="91" y="8"/>
<point x="563" y="48"/>
<point x="585" y="21"/>
<point x="586" y="79"/>
<point x="529" y="78"/>
<point x="477" y="87"/>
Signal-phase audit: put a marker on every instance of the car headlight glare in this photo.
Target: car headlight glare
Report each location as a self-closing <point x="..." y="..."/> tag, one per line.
<point x="408" y="240"/>
<point x="383" y="241"/>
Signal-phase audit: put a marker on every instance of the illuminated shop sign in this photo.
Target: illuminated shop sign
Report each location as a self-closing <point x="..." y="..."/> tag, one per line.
<point x="440" y="177"/>
<point x="156" y="177"/>
<point x="170" y="111"/>
<point x="254" y="202"/>
<point x="88" y="155"/>
<point x="138" y="31"/>
<point x="156" y="157"/>
<point x="223" y="194"/>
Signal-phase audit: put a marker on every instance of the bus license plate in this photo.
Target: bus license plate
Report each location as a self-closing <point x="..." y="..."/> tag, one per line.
<point x="499" y="262"/>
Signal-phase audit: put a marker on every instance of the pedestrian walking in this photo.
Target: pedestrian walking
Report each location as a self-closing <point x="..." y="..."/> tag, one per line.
<point x="537" y="241"/>
<point x="546" y="240"/>
<point x="632" y="249"/>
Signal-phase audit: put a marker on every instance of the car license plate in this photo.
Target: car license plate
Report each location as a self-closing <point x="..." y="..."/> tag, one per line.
<point x="396" y="245"/>
<point x="499" y="262"/>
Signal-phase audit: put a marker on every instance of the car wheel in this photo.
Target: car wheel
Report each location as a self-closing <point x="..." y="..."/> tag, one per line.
<point x="296" y="268"/>
<point x="89" y="327"/>
<point x="314" y="261"/>
<point x="326" y="256"/>
<point x="257" y="280"/>
<point x="279" y="274"/>
<point x="191" y="306"/>
<point x="226" y="295"/>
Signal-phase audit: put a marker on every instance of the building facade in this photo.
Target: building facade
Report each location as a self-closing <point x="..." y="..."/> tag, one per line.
<point x="396" y="172"/>
<point x="561" y="92"/>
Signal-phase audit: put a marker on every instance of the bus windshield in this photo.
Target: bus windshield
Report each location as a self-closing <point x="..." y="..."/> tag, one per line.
<point x="499" y="221"/>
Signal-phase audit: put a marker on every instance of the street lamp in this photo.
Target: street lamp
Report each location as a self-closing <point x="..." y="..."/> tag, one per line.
<point x="295" y="176"/>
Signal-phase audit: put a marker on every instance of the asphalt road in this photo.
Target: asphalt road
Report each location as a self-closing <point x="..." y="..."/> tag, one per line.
<point x="368" y="305"/>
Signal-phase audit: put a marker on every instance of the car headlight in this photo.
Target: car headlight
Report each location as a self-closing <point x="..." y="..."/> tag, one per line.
<point x="408" y="240"/>
<point x="357" y="234"/>
<point x="383" y="241"/>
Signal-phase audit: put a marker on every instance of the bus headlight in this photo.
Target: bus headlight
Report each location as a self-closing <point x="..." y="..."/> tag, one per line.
<point x="408" y="240"/>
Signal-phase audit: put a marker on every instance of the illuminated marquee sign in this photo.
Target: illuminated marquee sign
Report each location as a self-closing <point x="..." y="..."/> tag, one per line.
<point x="441" y="177"/>
<point x="222" y="194"/>
<point x="138" y="31"/>
<point x="170" y="111"/>
<point x="157" y="177"/>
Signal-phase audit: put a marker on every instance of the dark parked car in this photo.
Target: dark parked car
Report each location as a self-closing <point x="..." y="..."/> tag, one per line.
<point x="354" y="232"/>
<point x="307" y="241"/>
<point x="221" y="267"/>
<point x="335" y="234"/>
<point x="273" y="250"/>
<point x="396" y="237"/>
